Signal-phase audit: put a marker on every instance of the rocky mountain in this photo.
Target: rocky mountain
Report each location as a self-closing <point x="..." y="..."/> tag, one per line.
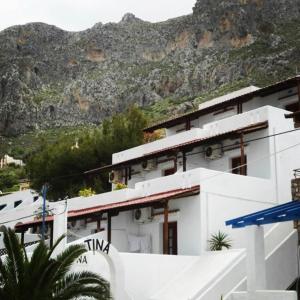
<point x="52" y="78"/>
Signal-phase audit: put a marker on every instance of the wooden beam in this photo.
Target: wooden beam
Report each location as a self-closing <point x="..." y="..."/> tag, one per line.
<point x="99" y="224"/>
<point x="184" y="161"/>
<point x="166" y="228"/>
<point x="187" y="123"/>
<point x="239" y="107"/>
<point x="129" y="173"/>
<point x="243" y="160"/>
<point x="109" y="227"/>
<point x="298" y="90"/>
<point x="51" y="234"/>
<point x="126" y="175"/>
<point x="22" y="238"/>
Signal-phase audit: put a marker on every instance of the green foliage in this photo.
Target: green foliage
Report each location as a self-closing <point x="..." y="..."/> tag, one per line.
<point x="61" y="164"/>
<point x="120" y="186"/>
<point x="219" y="241"/>
<point x="9" y="178"/>
<point x="162" y="109"/>
<point x="46" y="94"/>
<point x="86" y="192"/>
<point x="45" y="277"/>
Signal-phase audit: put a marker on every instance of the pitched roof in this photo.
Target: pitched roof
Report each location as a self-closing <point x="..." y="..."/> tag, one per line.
<point x="219" y="104"/>
<point x="228" y="97"/>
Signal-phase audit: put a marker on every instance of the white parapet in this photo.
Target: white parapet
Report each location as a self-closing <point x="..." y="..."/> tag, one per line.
<point x="265" y="295"/>
<point x="262" y="114"/>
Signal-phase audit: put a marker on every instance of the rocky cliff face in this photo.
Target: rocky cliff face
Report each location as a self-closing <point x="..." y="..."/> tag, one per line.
<point x="50" y="77"/>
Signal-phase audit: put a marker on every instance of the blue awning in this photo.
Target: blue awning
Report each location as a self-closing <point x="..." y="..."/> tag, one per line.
<point x="285" y="212"/>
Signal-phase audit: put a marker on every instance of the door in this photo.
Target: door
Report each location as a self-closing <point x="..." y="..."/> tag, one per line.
<point x="236" y="165"/>
<point x="172" y="238"/>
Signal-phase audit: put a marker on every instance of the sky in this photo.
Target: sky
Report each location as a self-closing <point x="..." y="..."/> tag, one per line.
<point x="75" y="15"/>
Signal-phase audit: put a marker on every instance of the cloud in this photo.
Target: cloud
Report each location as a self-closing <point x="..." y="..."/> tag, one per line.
<point x="77" y="15"/>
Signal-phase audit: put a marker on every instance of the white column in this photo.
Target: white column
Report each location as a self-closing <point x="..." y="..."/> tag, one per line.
<point x="203" y="222"/>
<point x="256" y="266"/>
<point x="60" y="225"/>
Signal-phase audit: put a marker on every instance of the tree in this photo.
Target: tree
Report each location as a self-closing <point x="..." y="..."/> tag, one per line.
<point x="44" y="277"/>
<point x="62" y="165"/>
<point x="10" y="176"/>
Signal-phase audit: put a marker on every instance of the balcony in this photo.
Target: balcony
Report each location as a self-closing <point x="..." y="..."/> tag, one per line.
<point x="208" y="130"/>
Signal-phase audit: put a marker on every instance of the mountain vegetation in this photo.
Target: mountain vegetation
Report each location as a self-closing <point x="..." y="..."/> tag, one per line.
<point x="61" y="164"/>
<point x="58" y="88"/>
<point x="10" y="177"/>
<point x="51" y="78"/>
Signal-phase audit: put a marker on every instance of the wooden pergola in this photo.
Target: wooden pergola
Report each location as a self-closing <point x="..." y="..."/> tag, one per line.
<point x="159" y="200"/>
<point x="184" y="148"/>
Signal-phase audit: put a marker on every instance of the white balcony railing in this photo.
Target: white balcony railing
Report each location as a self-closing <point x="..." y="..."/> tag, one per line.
<point x="208" y="130"/>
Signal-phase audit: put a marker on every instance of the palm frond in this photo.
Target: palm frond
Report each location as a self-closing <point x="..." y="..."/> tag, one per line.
<point x="45" y="277"/>
<point x="84" y="284"/>
<point x="67" y="258"/>
<point x="219" y="241"/>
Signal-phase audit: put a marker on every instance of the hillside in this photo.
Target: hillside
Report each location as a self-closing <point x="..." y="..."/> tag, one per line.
<point x="50" y="78"/>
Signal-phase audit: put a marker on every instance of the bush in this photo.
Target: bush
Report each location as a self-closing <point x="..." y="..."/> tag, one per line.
<point x="87" y="192"/>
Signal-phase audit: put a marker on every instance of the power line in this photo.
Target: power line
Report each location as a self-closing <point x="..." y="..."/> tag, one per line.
<point x="25" y="217"/>
<point x="252" y="161"/>
<point x="200" y="152"/>
<point x="190" y="154"/>
<point x="203" y="179"/>
<point x="248" y="141"/>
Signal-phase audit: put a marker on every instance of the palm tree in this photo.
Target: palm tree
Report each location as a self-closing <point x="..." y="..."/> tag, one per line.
<point x="46" y="278"/>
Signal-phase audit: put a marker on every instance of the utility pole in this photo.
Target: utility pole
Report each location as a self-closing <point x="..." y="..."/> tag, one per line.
<point x="44" y="193"/>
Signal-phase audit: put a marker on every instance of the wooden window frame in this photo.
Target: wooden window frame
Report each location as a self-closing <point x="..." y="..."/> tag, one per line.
<point x="235" y="165"/>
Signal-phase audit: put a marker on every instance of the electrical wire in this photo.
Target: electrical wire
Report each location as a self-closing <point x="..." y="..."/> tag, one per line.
<point x="215" y="175"/>
<point x="252" y="161"/>
<point x="36" y="214"/>
<point x="247" y="141"/>
<point x="21" y="218"/>
<point x="203" y="179"/>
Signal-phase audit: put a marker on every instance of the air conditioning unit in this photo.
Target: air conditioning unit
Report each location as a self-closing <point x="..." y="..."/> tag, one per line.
<point x="213" y="151"/>
<point x="142" y="215"/>
<point x="149" y="164"/>
<point x="115" y="176"/>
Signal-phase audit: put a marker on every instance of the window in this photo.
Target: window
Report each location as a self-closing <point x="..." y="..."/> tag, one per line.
<point x="236" y="165"/>
<point x="17" y="203"/>
<point x="168" y="172"/>
<point x="172" y="238"/>
<point x="2" y="206"/>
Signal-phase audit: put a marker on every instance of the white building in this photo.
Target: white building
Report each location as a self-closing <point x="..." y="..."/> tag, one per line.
<point x="8" y="160"/>
<point x="233" y="156"/>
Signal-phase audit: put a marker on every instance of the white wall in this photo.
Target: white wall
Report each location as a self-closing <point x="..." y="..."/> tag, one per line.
<point x="27" y="197"/>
